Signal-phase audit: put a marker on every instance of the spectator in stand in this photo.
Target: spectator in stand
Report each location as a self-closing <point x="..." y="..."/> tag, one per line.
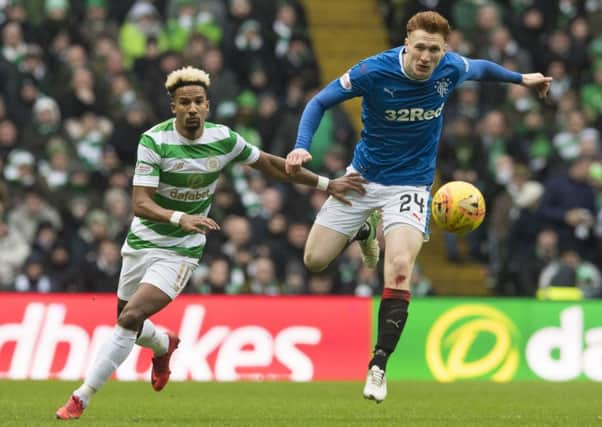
<point x="101" y="273"/>
<point x="262" y="277"/>
<point x="591" y="96"/>
<point x="27" y="216"/>
<point x="224" y="85"/>
<point x="97" y="22"/>
<point x="62" y="271"/>
<point x="14" y="249"/>
<point x="570" y="270"/>
<point x="33" y="278"/>
<point x="218" y="279"/>
<point x="136" y="119"/>
<point x="568" y="205"/>
<point x="46" y="124"/>
<point x="189" y="19"/>
<point x="141" y="28"/>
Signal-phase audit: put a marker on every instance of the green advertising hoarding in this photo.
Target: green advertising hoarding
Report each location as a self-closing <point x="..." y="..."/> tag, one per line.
<point x="459" y="339"/>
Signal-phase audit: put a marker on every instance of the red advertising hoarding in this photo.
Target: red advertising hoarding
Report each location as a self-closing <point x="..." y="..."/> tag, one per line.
<point x="224" y="338"/>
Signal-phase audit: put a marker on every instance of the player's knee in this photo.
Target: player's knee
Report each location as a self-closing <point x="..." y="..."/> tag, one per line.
<point x="131" y="318"/>
<point x="401" y="265"/>
<point x="314" y="263"/>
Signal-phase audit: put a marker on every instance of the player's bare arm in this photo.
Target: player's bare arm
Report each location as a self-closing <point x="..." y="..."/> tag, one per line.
<point x="145" y="207"/>
<point x="539" y="82"/>
<point x="276" y="168"/>
<point x="295" y="159"/>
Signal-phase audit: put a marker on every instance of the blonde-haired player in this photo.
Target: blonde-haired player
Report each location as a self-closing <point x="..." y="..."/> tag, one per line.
<point x="178" y="165"/>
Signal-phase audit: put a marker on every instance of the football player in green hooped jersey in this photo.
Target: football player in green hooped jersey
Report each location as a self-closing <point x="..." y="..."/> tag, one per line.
<point x="179" y="162"/>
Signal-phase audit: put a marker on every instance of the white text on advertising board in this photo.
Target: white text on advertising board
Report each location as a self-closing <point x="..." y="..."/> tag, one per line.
<point x="42" y="329"/>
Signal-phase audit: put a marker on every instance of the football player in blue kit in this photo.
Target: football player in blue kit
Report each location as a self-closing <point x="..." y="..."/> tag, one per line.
<point x="404" y="91"/>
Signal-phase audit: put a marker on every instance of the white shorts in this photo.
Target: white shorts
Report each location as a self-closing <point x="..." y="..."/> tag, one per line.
<point x="400" y="204"/>
<point x="164" y="269"/>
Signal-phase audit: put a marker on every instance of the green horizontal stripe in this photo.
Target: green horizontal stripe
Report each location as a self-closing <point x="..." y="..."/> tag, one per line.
<point x="191" y="207"/>
<point x="149" y="143"/>
<point x="138" y="243"/>
<point x="167" y="125"/>
<point x="244" y="154"/>
<point x="165" y="229"/>
<point x="189" y="180"/>
<point x="198" y="151"/>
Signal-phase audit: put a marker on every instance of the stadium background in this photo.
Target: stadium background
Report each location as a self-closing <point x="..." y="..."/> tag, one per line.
<point x="82" y="79"/>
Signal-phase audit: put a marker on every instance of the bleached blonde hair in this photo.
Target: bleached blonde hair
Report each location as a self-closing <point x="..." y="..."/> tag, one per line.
<point x="186" y="76"/>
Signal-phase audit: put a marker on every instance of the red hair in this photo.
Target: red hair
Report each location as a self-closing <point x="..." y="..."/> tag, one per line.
<point x="431" y="22"/>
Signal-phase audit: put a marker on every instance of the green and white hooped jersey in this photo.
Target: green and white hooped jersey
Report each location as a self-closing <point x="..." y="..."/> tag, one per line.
<point x="185" y="173"/>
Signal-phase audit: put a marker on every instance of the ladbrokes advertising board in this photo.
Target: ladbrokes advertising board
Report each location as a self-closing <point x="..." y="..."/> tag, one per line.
<point x="223" y="338"/>
<point x="310" y="338"/>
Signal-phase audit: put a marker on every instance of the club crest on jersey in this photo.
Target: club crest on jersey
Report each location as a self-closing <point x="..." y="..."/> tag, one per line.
<point x="213" y="164"/>
<point x="178" y="166"/>
<point x="442" y="86"/>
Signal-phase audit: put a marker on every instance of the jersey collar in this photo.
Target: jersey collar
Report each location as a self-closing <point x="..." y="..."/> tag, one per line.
<point x="182" y="138"/>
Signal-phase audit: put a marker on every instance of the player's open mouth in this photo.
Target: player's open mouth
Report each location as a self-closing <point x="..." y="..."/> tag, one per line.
<point x="422" y="67"/>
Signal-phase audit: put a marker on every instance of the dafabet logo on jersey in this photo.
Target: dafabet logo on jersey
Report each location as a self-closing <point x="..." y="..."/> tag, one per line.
<point x="473" y="341"/>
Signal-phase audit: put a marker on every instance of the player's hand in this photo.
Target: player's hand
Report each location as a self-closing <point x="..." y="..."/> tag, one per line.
<point x="539" y="82"/>
<point x="352" y="182"/>
<point x="198" y="224"/>
<point x="295" y="159"/>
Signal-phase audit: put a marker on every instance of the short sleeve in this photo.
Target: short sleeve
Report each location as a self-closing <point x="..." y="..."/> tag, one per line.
<point x="146" y="173"/>
<point x="357" y="79"/>
<point x="462" y="66"/>
<point x="248" y="154"/>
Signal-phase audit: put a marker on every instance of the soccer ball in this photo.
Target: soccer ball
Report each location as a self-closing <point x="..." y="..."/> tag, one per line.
<point x="458" y="207"/>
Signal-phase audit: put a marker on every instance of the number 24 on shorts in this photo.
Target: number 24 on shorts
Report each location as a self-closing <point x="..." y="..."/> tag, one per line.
<point x="408" y="200"/>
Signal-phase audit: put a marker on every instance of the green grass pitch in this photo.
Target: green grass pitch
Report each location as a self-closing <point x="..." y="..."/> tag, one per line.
<point x="33" y="403"/>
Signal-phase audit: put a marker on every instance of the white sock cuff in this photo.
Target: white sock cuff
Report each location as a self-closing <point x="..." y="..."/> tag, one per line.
<point x="125" y="333"/>
<point x="148" y="329"/>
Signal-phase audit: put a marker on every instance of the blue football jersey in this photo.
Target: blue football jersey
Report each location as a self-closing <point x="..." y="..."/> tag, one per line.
<point x="402" y="117"/>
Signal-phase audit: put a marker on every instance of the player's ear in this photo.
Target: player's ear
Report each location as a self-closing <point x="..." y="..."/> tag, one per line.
<point x="172" y="104"/>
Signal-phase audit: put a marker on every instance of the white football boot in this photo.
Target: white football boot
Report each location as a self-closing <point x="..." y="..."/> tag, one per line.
<point x="369" y="246"/>
<point x="376" y="385"/>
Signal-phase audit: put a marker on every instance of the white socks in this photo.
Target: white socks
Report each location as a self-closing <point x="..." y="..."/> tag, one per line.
<point x="152" y="338"/>
<point x="110" y="356"/>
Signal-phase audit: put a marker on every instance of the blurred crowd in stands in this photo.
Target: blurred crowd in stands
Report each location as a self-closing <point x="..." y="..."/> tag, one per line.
<point x="82" y="79"/>
<point x="539" y="164"/>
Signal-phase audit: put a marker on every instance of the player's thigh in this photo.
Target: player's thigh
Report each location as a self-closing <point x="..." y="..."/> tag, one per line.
<point x="323" y="245"/>
<point x="345" y="219"/>
<point x="402" y="245"/>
